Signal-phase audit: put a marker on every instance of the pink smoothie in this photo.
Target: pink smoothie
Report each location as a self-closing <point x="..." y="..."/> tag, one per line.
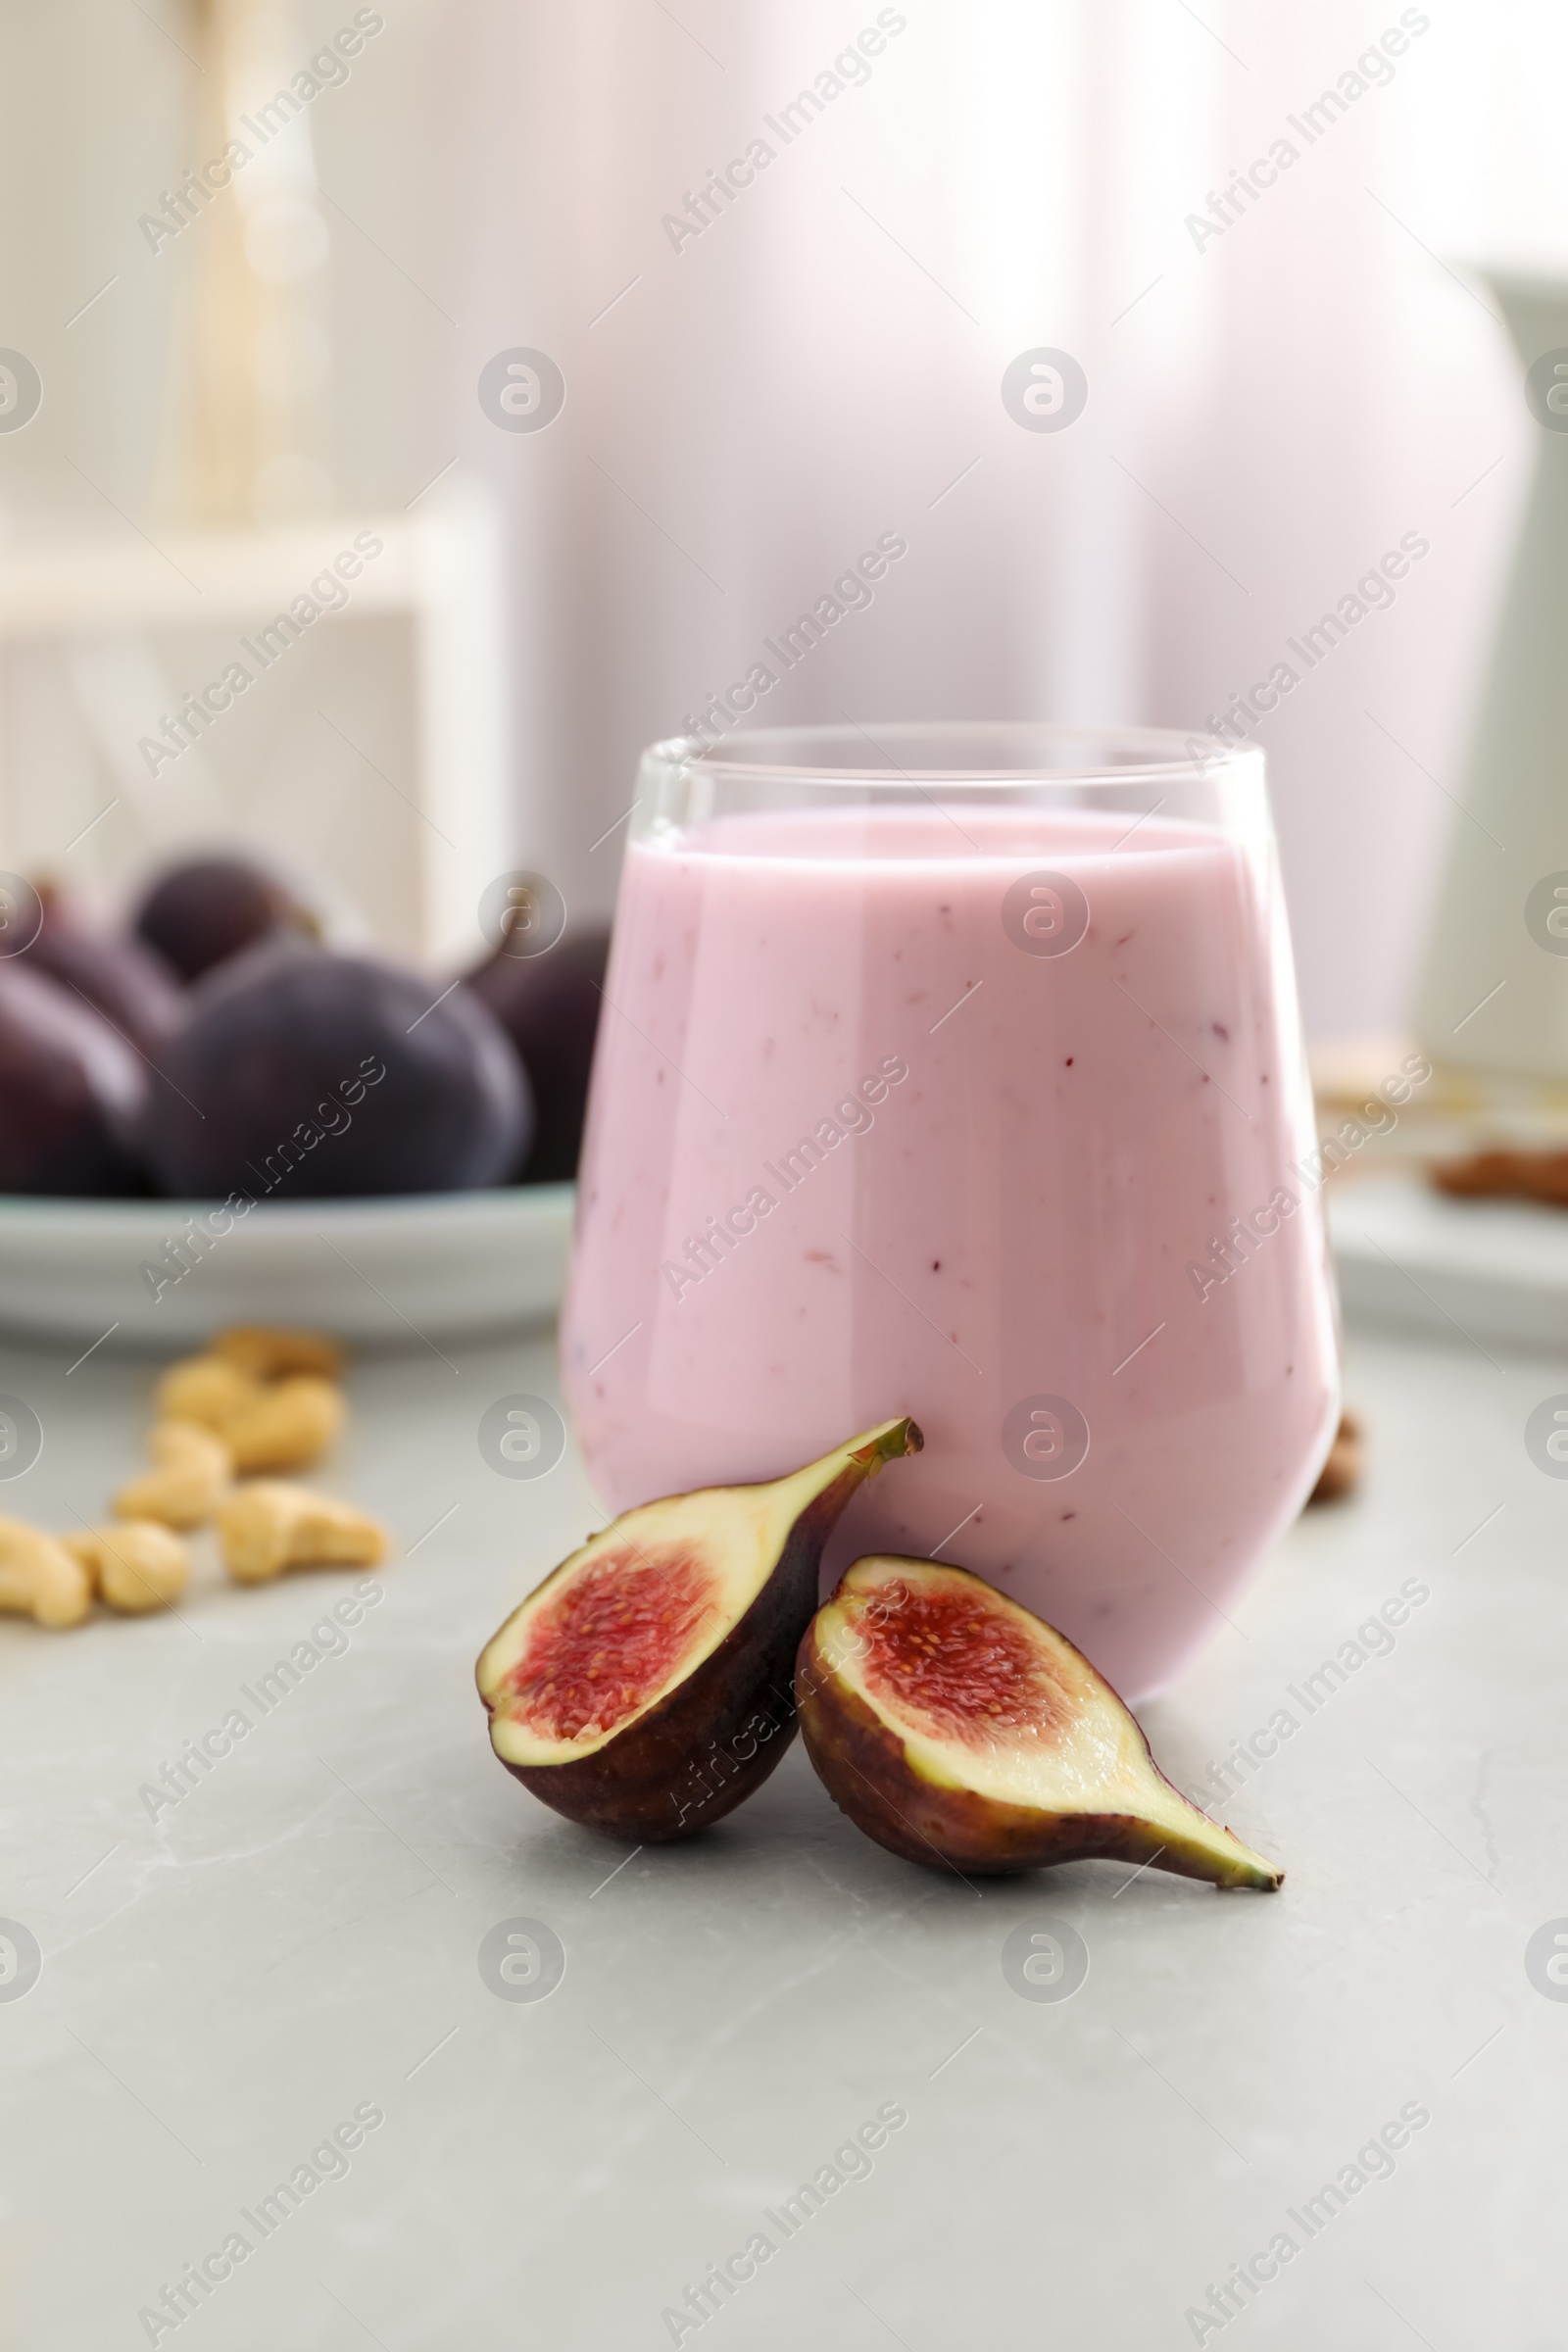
<point x="871" y="1136"/>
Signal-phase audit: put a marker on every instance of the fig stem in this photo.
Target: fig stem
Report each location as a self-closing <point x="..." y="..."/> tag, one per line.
<point x="889" y="1443"/>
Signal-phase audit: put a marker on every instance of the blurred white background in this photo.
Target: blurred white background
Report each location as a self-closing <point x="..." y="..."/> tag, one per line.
<point x="1267" y="413"/>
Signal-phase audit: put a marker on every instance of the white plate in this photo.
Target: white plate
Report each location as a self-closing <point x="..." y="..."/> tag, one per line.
<point x="1423" y="1261"/>
<point x="398" y="1269"/>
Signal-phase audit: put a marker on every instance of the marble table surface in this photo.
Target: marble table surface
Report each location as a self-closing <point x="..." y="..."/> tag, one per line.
<point x="284" y="1979"/>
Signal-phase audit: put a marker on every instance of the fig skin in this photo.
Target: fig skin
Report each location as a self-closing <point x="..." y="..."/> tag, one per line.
<point x="70" y="1093"/>
<point x="644" y="1783"/>
<point x="196" y="914"/>
<point x="649" y="1782"/>
<point x="130" y="986"/>
<point x="865" y="1767"/>
<point x="549" y="1006"/>
<point x="282" y="1046"/>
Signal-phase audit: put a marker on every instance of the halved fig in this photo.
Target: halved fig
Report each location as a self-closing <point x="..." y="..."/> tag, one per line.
<point x="644" y="1688"/>
<point x="954" y="1726"/>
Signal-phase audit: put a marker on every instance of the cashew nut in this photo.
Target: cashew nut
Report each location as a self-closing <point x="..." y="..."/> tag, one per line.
<point x="136" y="1564"/>
<point x="266" y="1527"/>
<point x="205" y="1389"/>
<point x="288" y="1427"/>
<point x="270" y="1354"/>
<point x="194" y="1470"/>
<point x="40" y="1577"/>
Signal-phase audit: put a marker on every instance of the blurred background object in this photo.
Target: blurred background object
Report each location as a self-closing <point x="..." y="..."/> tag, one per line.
<point x="127" y="647"/>
<point x="1288" y="371"/>
<point x="1495" y="994"/>
<point x="238" y="689"/>
<point x="1276" y="394"/>
<point x="249" y="403"/>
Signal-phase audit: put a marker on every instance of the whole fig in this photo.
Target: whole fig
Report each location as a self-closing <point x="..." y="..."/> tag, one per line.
<point x="128" y="983"/>
<point x="70" y="1093"/>
<point x="312" y="1075"/>
<point x="549" y="1006"/>
<point x="198" y="913"/>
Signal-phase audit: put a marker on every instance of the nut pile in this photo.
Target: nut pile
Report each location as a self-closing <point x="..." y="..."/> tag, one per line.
<point x="257" y="1403"/>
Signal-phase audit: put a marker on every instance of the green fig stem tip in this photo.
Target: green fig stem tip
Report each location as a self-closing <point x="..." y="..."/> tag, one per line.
<point x="889" y="1443"/>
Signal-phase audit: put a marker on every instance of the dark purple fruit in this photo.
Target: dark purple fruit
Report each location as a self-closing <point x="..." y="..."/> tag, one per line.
<point x="70" y="1093"/>
<point x="198" y="914"/>
<point x="127" y="982"/>
<point x="549" y="1006"/>
<point x="316" y="1074"/>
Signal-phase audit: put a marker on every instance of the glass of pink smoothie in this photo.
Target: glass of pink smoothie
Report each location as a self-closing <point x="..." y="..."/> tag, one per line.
<point x="956" y="1070"/>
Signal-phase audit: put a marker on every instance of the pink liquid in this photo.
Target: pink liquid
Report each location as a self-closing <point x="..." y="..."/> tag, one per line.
<point x="1012" y="1218"/>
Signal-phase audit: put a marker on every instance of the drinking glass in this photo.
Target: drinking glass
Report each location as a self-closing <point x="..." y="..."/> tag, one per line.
<point x="956" y="1070"/>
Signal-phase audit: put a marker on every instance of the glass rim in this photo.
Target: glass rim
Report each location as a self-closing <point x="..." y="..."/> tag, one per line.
<point x="783" y="756"/>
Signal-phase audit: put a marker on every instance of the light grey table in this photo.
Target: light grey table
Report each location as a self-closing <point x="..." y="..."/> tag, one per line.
<point x="296" y="1944"/>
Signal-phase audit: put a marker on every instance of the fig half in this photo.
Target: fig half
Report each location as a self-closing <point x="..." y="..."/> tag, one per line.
<point x="954" y="1726"/>
<point x="644" y="1688"/>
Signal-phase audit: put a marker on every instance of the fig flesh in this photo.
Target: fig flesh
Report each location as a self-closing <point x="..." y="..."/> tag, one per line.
<point x="644" y="1688"/>
<point x="954" y="1726"/>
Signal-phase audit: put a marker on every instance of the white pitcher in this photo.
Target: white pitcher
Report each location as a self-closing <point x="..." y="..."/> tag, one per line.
<point x="1494" y="996"/>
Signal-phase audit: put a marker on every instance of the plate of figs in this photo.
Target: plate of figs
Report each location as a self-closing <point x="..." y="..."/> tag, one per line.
<point x="211" y="1111"/>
